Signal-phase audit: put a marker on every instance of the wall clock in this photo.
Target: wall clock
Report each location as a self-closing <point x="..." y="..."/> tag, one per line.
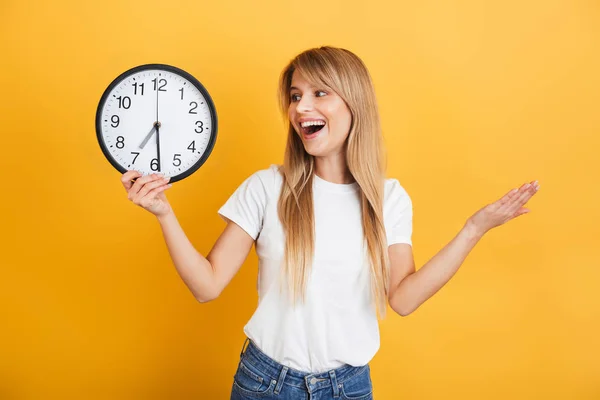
<point x="156" y="118"/>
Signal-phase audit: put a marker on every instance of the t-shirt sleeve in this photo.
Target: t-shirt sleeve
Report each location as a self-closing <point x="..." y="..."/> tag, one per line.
<point x="398" y="214"/>
<point x="246" y="206"/>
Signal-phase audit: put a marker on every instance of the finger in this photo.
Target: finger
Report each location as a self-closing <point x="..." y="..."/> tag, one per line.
<point x="139" y="184"/>
<point x="521" y="212"/>
<point x="159" y="189"/>
<point x="144" y="191"/>
<point x="152" y="185"/>
<point x="513" y="196"/>
<point x="508" y="196"/>
<point x="522" y="199"/>
<point x="127" y="177"/>
<point x="153" y="194"/>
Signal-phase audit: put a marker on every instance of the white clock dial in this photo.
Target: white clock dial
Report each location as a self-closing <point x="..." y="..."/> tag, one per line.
<point x="156" y="118"/>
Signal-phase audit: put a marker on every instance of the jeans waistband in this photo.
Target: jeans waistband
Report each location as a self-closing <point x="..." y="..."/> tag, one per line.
<point x="293" y="377"/>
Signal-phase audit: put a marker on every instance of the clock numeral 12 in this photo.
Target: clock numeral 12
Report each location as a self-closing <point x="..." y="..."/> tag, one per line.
<point x="162" y="82"/>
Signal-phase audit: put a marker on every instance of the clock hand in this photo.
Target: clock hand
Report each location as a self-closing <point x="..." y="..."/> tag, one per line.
<point x="148" y="136"/>
<point x="158" y="146"/>
<point x="157" y="128"/>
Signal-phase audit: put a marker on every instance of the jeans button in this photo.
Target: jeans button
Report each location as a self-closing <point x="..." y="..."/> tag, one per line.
<point x="313" y="381"/>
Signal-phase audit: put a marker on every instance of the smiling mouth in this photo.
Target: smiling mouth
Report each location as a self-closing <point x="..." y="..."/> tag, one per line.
<point x="310" y="130"/>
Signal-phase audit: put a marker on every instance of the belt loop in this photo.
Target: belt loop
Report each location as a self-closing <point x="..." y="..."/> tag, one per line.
<point x="244" y="345"/>
<point x="284" y="371"/>
<point x="336" y="388"/>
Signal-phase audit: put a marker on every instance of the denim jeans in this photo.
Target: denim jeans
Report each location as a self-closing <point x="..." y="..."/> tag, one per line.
<point x="260" y="377"/>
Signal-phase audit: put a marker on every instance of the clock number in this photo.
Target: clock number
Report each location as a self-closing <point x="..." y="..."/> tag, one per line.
<point x="176" y="159"/>
<point x="112" y="119"/>
<point x="201" y="127"/>
<point x="195" y="105"/>
<point x="162" y="82"/>
<point x="192" y="146"/>
<point x="135" y="85"/>
<point x="124" y="102"/>
<point x="136" y="156"/>
<point x="154" y="164"/>
<point x="181" y="90"/>
<point x="121" y="142"/>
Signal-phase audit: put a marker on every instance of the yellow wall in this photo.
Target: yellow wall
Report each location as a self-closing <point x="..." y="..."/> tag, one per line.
<point x="476" y="97"/>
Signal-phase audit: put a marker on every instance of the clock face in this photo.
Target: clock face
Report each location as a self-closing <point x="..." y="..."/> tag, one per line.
<point x="156" y="118"/>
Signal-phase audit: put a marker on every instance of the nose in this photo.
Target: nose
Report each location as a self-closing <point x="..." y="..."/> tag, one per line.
<point x="305" y="104"/>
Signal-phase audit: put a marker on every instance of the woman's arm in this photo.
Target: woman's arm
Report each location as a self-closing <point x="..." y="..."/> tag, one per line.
<point x="416" y="287"/>
<point x="206" y="277"/>
<point x="410" y="289"/>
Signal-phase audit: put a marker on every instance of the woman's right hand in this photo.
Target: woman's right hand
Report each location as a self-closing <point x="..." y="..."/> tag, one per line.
<point x="147" y="191"/>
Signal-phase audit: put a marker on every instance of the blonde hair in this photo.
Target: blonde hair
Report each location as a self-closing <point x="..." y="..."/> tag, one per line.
<point x="344" y="73"/>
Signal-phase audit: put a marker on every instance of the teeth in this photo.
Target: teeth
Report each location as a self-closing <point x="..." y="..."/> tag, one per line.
<point x="310" y="123"/>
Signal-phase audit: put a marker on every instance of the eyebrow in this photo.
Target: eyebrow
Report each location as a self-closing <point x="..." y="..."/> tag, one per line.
<point x="311" y="86"/>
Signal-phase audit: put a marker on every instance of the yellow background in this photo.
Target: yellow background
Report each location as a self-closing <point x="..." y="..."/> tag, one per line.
<point x="476" y="97"/>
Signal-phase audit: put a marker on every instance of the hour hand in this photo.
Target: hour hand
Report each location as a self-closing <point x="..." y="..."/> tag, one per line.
<point x="148" y="136"/>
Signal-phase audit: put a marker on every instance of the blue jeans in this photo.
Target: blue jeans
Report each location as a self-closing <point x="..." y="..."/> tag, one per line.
<point x="260" y="377"/>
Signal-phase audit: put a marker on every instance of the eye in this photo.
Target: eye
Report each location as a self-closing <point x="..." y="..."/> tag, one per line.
<point x="294" y="97"/>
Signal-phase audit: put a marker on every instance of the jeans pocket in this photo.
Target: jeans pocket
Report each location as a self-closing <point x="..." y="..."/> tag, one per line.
<point x="359" y="386"/>
<point x="247" y="380"/>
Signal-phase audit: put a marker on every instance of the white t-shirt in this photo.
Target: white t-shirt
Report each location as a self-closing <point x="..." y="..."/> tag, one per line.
<point x="337" y="324"/>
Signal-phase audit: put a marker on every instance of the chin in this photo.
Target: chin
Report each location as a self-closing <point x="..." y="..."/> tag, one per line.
<point x="318" y="151"/>
<point x="313" y="153"/>
<point x="315" y="149"/>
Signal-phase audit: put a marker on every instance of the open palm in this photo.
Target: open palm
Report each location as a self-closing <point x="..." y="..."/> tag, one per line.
<point x="503" y="210"/>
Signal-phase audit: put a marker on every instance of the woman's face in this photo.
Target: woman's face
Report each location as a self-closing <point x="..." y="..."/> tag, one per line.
<point x="331" y="117"/>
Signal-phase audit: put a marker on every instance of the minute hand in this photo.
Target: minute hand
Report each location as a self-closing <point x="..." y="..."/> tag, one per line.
<point x="158" y="145"/>
<point x="157" y="129"/>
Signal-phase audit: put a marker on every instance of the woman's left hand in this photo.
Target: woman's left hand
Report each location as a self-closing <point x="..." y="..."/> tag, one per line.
<point x="508" y="207"/>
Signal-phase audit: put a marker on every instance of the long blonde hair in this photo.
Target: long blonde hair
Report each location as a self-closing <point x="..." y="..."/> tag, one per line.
<point x="343" y="72"/>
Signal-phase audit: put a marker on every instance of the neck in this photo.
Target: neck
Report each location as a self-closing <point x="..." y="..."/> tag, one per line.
<point x="333" y="168"/>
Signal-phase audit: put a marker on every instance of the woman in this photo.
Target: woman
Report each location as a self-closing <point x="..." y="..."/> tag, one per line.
<point x="332" y="234"/>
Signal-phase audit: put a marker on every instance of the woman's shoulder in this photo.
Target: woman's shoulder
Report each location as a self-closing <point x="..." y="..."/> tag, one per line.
<point x="394" y="191"/>
<point x="270" y="174"/>
<point x="393" y="185"/>
<point x="268" y="178"/>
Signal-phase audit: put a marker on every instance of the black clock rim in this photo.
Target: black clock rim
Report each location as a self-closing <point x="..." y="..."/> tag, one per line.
<point x="169" y="68"/>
